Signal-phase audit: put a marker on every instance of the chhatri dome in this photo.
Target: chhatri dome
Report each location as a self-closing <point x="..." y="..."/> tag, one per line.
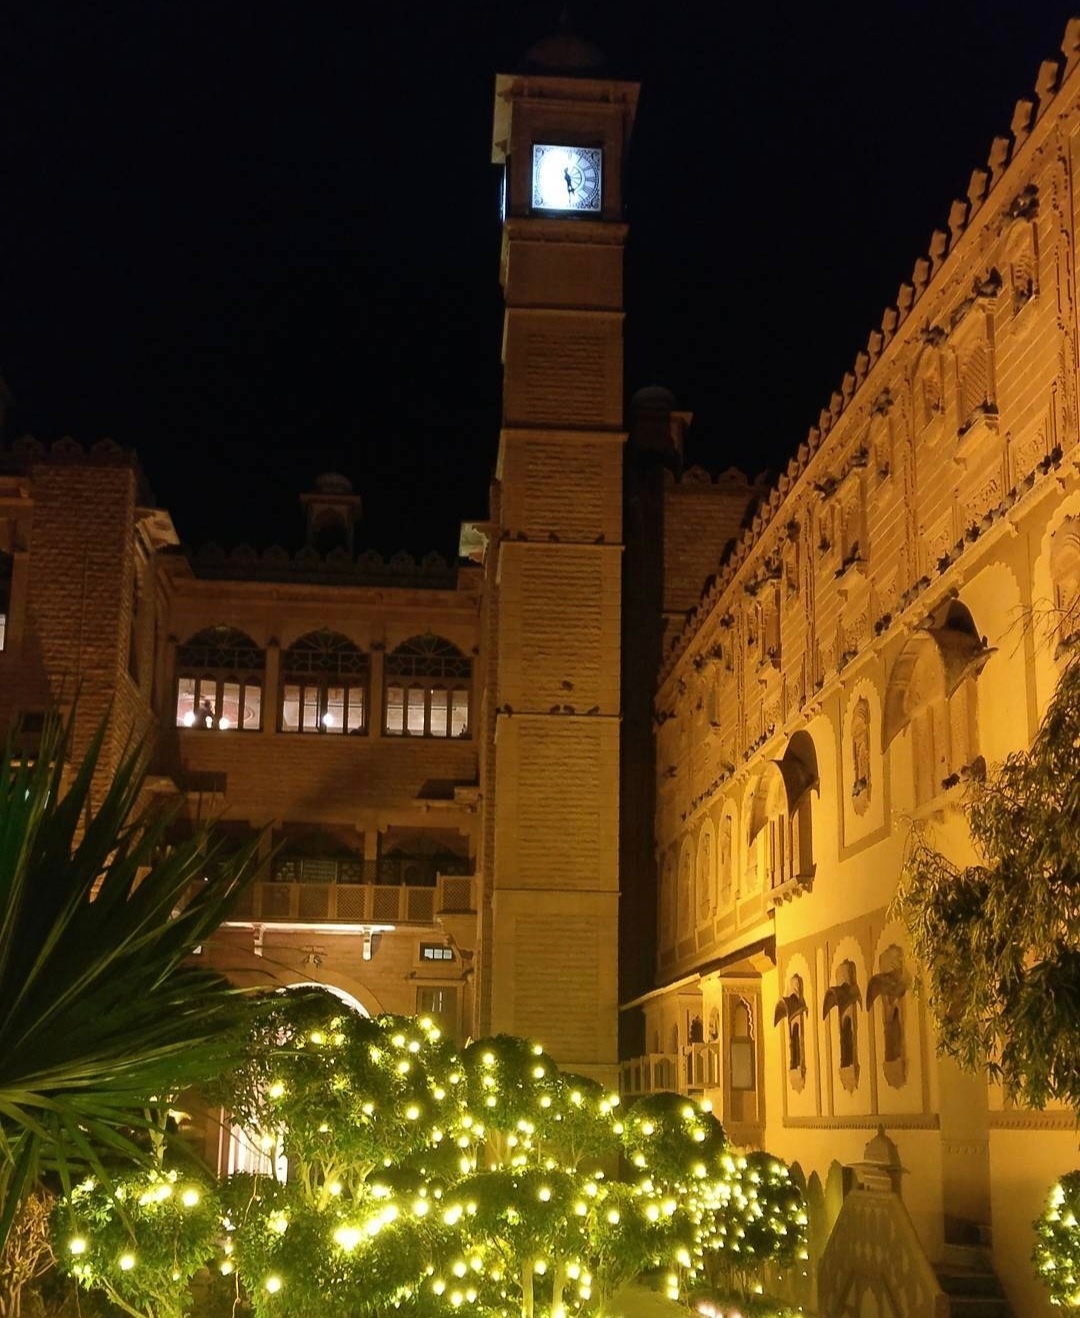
<point x="564" y="53"/>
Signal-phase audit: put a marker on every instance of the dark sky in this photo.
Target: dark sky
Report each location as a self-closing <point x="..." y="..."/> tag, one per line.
<point x="257" y="242"/>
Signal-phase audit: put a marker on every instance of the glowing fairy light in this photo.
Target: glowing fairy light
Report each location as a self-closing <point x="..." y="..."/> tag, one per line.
<point x="272" y="1285"/>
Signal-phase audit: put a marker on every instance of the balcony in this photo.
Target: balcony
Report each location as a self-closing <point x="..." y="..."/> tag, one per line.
<point x="351" y="901"/>
<point x="692" y="1070"/>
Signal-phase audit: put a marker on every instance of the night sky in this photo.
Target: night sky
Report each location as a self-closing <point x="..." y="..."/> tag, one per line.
<point x="257" y="242"/>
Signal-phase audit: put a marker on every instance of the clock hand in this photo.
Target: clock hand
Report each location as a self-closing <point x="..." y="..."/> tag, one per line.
<point x="569" y="181"/>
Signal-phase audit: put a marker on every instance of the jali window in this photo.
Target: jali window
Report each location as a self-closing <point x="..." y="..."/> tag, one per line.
<point x="324" y="685"/>
<point x="219" y="683"/>
<point x="427" y="689"/>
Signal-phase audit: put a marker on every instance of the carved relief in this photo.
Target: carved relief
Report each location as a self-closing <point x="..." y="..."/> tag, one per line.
<point x="705" y="877"/>
<point x="725" y="861"/>
<point x="1022" y="264"/>
<point x="1065" y="575"/>
<point x="683" y="902"/>
<point x="862" y="783"/>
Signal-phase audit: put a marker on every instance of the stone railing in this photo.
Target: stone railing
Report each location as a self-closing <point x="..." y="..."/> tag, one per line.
<point x="354" y="903"/>
<point x="691" y="1070"/>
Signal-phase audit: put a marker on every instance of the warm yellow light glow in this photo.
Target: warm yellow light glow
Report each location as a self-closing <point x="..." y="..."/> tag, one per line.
<point x="348" y="1237"/>
<point x="189" y="1198"/>
<point x="277" y="1089"/>
<point x="77" y="1246"/>
<point x="127" y="1262"/>
<point x="273" y="1285"/>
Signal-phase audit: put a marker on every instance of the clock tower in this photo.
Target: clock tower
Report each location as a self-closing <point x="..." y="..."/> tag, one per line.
<point x="554" y="564"/>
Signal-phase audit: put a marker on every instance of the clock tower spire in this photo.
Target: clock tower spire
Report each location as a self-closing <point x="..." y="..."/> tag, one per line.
<point x="554" y="562"/>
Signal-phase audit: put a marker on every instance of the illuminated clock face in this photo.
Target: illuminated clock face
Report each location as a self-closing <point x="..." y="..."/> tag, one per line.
<point x="566" y="178"/>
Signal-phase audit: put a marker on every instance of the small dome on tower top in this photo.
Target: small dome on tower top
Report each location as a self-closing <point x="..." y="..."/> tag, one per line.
<point x="332" y="482"/>
<point x="564" y="53"/>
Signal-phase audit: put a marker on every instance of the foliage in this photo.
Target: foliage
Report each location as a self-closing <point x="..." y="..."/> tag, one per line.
<point x="1000" y="940"/>
<point x="1057" y="1243"/>
<point x="140" y="1239"/>
<point x="423" y="1180"/>
<point x="750" y="1212"/>
<point x="98" y="1011"/>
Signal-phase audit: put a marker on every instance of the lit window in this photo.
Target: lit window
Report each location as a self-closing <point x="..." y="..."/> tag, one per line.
<point x="427" y="689"/>
<point x="219" y="684"/>
<point x="324" y="685"/>
<point x="440" y="1003"/>
<point x="742" y="1056"/>
<point x="436" y="952"/>
<point x="5" y="594"/>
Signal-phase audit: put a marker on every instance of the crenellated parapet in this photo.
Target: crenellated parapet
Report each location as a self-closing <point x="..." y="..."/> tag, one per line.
<point x="988" y="258"/>
<point x="339" y="567"/>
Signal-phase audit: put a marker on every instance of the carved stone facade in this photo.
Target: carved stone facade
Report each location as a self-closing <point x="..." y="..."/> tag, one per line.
<point x="895" y="617"/>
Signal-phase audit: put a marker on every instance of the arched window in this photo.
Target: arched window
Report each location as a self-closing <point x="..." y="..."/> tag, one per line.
<point x="781" y="813"/>
<point x="427" y="689"/>
<point x="792" y="1009"/>
<point x="324" y="684"/>
<point x="845" y="999"/>
<point x="890" y="984"/>
<point x="932" y="688"/>
<point x="741" y="1053"/>
<point x="6" y="563"/>
<point x="219" y="681"/>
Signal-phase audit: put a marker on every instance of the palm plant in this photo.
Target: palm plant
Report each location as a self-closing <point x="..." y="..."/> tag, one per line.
<point x="101" y="1014"/>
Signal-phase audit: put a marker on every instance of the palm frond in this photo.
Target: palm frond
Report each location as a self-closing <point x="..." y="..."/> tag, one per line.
<point x="99" y="1011"/>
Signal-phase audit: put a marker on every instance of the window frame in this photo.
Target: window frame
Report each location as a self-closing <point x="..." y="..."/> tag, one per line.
<point x="213" y="660"/>
<point x="427" y="690"/>
<point x="331" y="678"/>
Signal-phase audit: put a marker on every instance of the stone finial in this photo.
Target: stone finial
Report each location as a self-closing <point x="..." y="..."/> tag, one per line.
<point x="1023" y="118"/>
<point x="1046" y="83"/>
<point x="920" y="275"/>
<point x="939" y="246"/>
<point x="977" y="185"/>
<point x="1070" y="45"/>
<point x="998" y="158"/>
<point x="958" y="218"/>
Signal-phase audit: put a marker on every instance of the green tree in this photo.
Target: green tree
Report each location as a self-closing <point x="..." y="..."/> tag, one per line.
<point x="999" y="940"/>
<point x="140" y="1239"/>
<point x="1057" y="1243"/>
<point x="100" y="1011"/>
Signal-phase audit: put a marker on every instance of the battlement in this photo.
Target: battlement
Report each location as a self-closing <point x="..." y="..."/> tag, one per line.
<point x="338" y="568"/>
<point x="864" y="388"/>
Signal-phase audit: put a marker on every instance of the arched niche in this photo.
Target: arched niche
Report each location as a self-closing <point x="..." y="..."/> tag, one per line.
<point x="781" y="810"/>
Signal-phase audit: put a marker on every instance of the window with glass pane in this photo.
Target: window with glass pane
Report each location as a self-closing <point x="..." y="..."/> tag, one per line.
<point x="425" y="703"/>
<point x="395" y="710"/>
<point x="324" y="685"/>
<point x="459" y="713"/>
<point x="219" y="681"/>
<point x="415" y="711"/>
<point x="440" y="712"/>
